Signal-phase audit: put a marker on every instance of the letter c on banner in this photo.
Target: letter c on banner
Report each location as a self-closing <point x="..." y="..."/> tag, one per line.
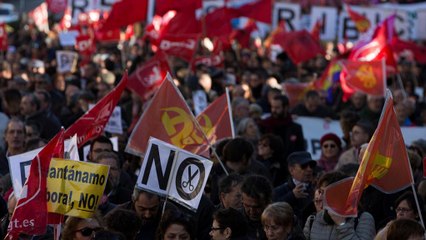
<point x="179" y="181"/>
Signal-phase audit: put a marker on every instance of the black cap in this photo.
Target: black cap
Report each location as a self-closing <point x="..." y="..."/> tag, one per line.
<point x="301" y="158"/>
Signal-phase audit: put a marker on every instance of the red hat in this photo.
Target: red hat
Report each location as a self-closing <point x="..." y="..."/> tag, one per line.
<point x="333" y="137"/>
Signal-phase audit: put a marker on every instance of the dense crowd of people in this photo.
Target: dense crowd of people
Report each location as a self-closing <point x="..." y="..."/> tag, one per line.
<point x="274" y="189"/>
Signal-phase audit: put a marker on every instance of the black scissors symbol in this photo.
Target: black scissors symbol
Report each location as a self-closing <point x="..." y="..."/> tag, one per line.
<point x="190" y="178"/>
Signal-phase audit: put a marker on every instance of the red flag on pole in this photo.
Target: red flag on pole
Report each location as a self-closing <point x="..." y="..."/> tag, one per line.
<point x="182" y="46"/>
<point x="259" y="10"/>
<point x="384" y="165"/>
<point x="368" y="77"/>
<point x="125" y="12"/>
<point x="93" y="122"/>
<point x="216" y="120"/>
<point x="362" y="23"/>
<point x="30" y="215"/>
<point x="148" y="78"/>
<point x="300" y="46"/>
<point x="169" y="119"/>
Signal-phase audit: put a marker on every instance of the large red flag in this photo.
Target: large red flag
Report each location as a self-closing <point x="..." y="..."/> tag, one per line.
<point x="169" y="119"/>
<point x="384" y="165"/>
<point x="30" y="215"/>
<point x="125" y="12"/>
<point x="3" y="37"/>
<point x="155" y="30"/>
<point x="300" y="46"/>
<point x="93" y="122"/>
<point x="419" y="52"/>
<point x="163" y="6"/>
<point x="259" y="10"/>
<point x="216" y="120"/>
<point x="148" y="78"/>
<point x="183" y="46"/>
<point x="362" y="23"/>
<point x="368" y="77"/>
<point x="218" y="22"/>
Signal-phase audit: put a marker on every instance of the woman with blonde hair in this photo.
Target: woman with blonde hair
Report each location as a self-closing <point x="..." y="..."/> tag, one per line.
<point x="278" y="222"/>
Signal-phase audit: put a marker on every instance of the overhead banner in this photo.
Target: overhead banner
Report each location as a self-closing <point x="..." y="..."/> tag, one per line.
<point x="75" y="188"/>
<point x="174" y="173"/>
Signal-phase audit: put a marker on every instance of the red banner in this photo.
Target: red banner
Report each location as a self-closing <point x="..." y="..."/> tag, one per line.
<point x="125" y="12"/>
<point x="179" y="46"/>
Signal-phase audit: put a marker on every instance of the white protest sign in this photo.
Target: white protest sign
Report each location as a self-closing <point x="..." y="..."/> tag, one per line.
<point x="199" y="99"/>
<point x="71" y="149"/>
<point x="67" y="39"/>
<point x="412" y="134"/>
<point x="328" y="17"/>
<point x="85" y="6"/>
<point x="173" y="172"/>
<point x="289" y="13"/>
<point x="66" y="61"/>
<point x="314" y="129"/>
<point x="114" y="124"/>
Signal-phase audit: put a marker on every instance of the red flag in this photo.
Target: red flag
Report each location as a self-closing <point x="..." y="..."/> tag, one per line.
<point x="183" y="23"/>
<point x="218" y="23"/>
<point x="379" y="45"/>
<point x="243" y="36"/>
<point x="260" y="10"/>
<point x="3" y="37"/>
<point x="155" y="29"/>
<point x="295" y="91"/>
<point x="300" y="46"/>
<point x="93" y="122"/>
<point x="169" y="119"/>
<point x="419" y="52"/>
<point x="85" y="45"/>
<point x="216" y="120"/>
<point x="125" y="12"/>
<point x="368" y="77"/>
<point x="30" y="215"/>
<point x="163" y="6"/>
<point x="384" y="165"/>
<point x="179" y="46"/>
<point x="362" y="23"/>
<point x="276" y="35"/>
<point x="214" y="60"/>
<point x="56" y="6"/>
<point x="316" y="30"/>
<point x="148" y="78"/>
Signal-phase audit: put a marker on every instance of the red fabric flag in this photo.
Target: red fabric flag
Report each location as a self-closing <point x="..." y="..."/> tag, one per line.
<point x="276" y="36"/>
<point x="378" y="46"/>
<point x="214" y="60"/>
<point x="169" y="119"/>
<point x="300" y="46"/>
<point x="243" y="36"/>
<point x="384" y="165"/>
<point x="362" y="23"/>
<point x="295" y="91"/>
<point x="183" y="23"/>
<point x="368" y="77"/>
<point x="218" y="23"/>
<point x="316" y="30"/>
<point x="419" y="52"/>
<point x="155" y="29"/>
<point x="30" y="215"/>
<point x="125" y="12"/>
<point x="148" y="78"/>
<point x="93" y="122"/>
<point x="3" y="37"/>
<point x="163" y="6"/>
<point x="85" y="45"/>
<point x="179" y="46"/>
<point x="260" y="10"/>
<point x="216" y="120"/>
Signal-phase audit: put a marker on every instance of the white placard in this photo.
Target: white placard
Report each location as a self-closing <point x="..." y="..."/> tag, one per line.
<point x="66" y="61"/>
<point x="67" y="39"/>
<point x="199" y="99"/>
<point x="328" y="17"/>
<point x="289" y="13"/>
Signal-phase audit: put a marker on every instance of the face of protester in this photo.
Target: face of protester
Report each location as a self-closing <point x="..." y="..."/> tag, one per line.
<point x="329" y="149"/>
<point x="312" y="103"/>
<point x="86" y="229"/>
<point x="146" y="207"/>
<point x="114" y="171"/>
<point x="302" y="173"/>
<point x="98" y="147"/>
<point x="252" y="207"/>
<point x="176" y="232"/>
<point x="277" y="109"/>
<point x="374" y="103"/>
<point x="405" y="211"/>
<point x="218" y="233"/>
<point x="15" y="135"/>
<point x="27" y="106"/>
<point x="233" y="198"/>
<point x="358" y="136"/>
<point x="251" y="129"/>
<point x="263" y="149"/>
<point x="274" y="231"/>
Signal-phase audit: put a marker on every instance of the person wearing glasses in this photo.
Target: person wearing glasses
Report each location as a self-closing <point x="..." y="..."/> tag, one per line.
<point x="279" y="223"/>
<point x="229" y="224"/>
<point x="331" y="147"/>
<point x="405" y="208"/>
<point x="81" y="228"/>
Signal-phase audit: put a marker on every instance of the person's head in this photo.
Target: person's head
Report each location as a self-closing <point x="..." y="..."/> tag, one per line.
<point x="32" y="131"/>
<point x="347" y="121"/>
<point x="405" y="206"/>
<point x="279" y="106"/>
<point x="312" y="100"/>
<point x="29" y="104"/>
<point x="248" y="128"/>
<point x="358" y="100"/>
<point x="323" y="182"/>
<point x="44" y="98"/>
<point x="15" y="136"/>
<point x="301" y="166"/>
<point x="228" y="224"/>
<point x="230" y="190"/>
<point x="175" y="226"/>
<point x="375" y="103"/>
<point x="11" y="101"/>
<point x="256" y="195"/>
<point x="111" y="159"/>
<point x="405" y="229"/>
<point x="237" y="154"/>
<point x="240" y="108"/>
<point x="98" y="145"/>
<point x="146" y="205"/>
<point x="123" y="221"/>
<point x="277" y="220"/>
<point x="270" y="145"/>
<point x="361" y="133"/>
<point x="42" y="82"/>
<point x="81" y="228"/>
<point x="331" y="145"/>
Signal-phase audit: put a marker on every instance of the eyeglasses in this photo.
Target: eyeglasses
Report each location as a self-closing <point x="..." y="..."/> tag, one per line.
<point x="272" y="228"/>
<point x="216" y="229"/>
<point x="87" y="232"/>
<point x="306" y="165"/>
<point x="403" y="210"/>
<point x="329" y="146"/>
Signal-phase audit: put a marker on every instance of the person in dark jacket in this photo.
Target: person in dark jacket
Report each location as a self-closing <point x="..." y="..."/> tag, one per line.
<point x="228" y="224"/>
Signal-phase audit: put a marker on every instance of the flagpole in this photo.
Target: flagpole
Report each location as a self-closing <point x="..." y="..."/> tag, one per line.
<point x="228" y="101"/>
<point x="401" y="85"/>
<point x="418" y="205"/>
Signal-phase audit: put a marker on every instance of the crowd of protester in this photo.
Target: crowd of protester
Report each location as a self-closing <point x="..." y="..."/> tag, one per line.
<point x="274" y="189"/>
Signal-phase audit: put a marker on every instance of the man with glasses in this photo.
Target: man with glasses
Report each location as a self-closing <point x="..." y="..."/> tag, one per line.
<point x="298" y="191"/>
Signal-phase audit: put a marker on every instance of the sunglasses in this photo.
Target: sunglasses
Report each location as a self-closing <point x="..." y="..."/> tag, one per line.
<point x="329" y="146"/>
<point x="87" y="232"/>
<point x="306" y="165"/>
